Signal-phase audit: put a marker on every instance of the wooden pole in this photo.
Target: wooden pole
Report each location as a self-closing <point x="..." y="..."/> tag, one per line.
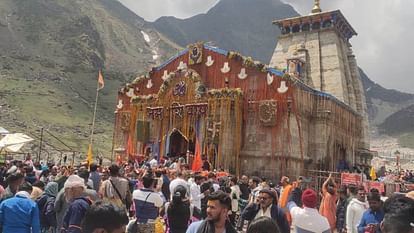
<point x="40" y="144"/>
<point x="94" y="113"/>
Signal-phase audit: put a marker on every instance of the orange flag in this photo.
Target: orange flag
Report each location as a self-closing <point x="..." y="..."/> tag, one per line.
<point x="197" y="163"/>
<point x="101" y="83"/>
<point x="130" y="147"/>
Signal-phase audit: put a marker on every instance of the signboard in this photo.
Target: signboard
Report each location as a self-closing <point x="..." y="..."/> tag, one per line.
<point x="351" y="178"/>
<point x="377" y="185"/>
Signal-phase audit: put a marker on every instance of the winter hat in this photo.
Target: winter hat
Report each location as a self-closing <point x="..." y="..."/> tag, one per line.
<point x="74" y="181"/>
<point x="309" y="198"/>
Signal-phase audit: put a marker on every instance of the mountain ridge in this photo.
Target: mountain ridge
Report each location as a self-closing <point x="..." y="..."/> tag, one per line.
<point x="51" y="52"/>
<point x="258" y="41"/>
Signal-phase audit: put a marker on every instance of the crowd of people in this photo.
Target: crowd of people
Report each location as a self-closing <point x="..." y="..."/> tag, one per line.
<point x="169" y="197"/>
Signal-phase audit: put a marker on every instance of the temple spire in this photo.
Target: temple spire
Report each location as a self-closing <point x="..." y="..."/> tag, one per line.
<point x="316" y="7"/>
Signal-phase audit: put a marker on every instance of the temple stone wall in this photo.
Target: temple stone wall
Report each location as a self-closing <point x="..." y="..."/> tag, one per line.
<point x="331" y="67"/>
<point x="328" y="67"/>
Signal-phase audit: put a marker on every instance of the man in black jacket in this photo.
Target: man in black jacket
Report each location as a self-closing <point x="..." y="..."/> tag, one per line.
<point x="267" y="206"/>
<point x="218" y="206"/>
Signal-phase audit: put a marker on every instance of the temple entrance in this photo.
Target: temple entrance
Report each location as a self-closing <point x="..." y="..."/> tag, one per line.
<point x="178" y="144"/>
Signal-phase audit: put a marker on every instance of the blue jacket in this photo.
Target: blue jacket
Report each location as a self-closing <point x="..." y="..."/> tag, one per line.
<point x="19" y="214"/>
<point x="250" y="212"/>
<point x="370" y="217"/>
<point x="74" y="215"/>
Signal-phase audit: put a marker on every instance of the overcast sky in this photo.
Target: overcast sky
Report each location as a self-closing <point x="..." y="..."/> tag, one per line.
<point x="384" y="46"/>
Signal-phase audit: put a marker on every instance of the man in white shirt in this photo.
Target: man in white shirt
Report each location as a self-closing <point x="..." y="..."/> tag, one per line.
<point x="235" y="196"/>
<point x="195" y="194"/>
<point x="154" y="162"/>
<point x="356" y="208"/>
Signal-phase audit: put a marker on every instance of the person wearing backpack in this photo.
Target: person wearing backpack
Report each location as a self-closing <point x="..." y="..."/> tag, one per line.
<point x="116" y="188"/>
<point x="46" y="203"/>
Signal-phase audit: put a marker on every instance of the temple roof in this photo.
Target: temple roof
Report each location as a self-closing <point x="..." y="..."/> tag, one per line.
<point x="334" y="19"/>
<point x="270" y="70"/>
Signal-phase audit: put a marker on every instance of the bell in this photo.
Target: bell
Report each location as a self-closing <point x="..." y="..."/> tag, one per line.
<point x="225" y="68"/>
<point x="130" y="93"/>
<point x="210" y="61"/>
<point x="149" y="84"/>
<point x="165" y="76"/>
<point x="283" y="88"/>
<point x="269" y="79"/>
<point x="120" y="104"/>
<point x="242" y="75"/>
<point x="182" y="66"/>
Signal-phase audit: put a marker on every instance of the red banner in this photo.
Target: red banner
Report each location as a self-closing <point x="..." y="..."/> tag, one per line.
<point x="377" y="185"/>
<point x="351" y="178"/>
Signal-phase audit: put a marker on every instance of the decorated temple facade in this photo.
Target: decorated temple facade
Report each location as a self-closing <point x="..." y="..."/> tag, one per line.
<point x="246" y="117"/>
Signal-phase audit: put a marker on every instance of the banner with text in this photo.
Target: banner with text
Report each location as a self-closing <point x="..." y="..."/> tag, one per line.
<point x="351" y="178"/>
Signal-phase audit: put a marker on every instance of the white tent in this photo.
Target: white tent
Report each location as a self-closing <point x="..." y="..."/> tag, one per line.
<point x="3" y="131"/>
<point x="14" y="142"/>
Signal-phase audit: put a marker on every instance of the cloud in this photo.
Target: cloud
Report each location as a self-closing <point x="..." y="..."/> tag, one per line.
<point x="151" y="10"/>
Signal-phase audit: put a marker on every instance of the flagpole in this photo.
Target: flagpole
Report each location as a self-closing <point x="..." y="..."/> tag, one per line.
<point x="94" y="114"/>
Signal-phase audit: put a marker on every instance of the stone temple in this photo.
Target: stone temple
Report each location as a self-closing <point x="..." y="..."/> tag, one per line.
<point x="304" y="111"/>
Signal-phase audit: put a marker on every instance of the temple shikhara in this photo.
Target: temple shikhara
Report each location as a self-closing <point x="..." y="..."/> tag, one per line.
<point x="305" y="110"/>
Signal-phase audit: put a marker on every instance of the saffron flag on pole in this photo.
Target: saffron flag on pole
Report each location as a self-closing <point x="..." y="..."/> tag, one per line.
<point x="89" y="158"/>
<point x="373" y="174"/>
<point x="197" y="162"/>
<point x="101" y="83"/>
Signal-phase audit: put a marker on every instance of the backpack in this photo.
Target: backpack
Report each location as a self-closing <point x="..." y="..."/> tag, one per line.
<point x="49" y="213"/>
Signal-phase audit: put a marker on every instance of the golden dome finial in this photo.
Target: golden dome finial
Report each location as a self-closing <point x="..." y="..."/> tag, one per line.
<point x="316" y="7"/>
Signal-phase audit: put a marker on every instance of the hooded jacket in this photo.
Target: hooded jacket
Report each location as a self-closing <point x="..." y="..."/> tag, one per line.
<point x="354" y="213"/>
<point x="19" y="214"/>
<point x="46" y="204"/>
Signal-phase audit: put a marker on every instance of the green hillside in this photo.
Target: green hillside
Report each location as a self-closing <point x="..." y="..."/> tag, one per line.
<point x="50" y="54"/>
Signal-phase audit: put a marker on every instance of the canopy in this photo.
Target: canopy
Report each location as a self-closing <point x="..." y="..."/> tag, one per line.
<point x="14" y="142"/>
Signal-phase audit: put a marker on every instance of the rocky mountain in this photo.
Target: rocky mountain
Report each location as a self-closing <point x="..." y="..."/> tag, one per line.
<point x="240" y="25"/>
<point x="50" y="54"/>
<point x="390" y="111"/>
<point x="383" y="102"/>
